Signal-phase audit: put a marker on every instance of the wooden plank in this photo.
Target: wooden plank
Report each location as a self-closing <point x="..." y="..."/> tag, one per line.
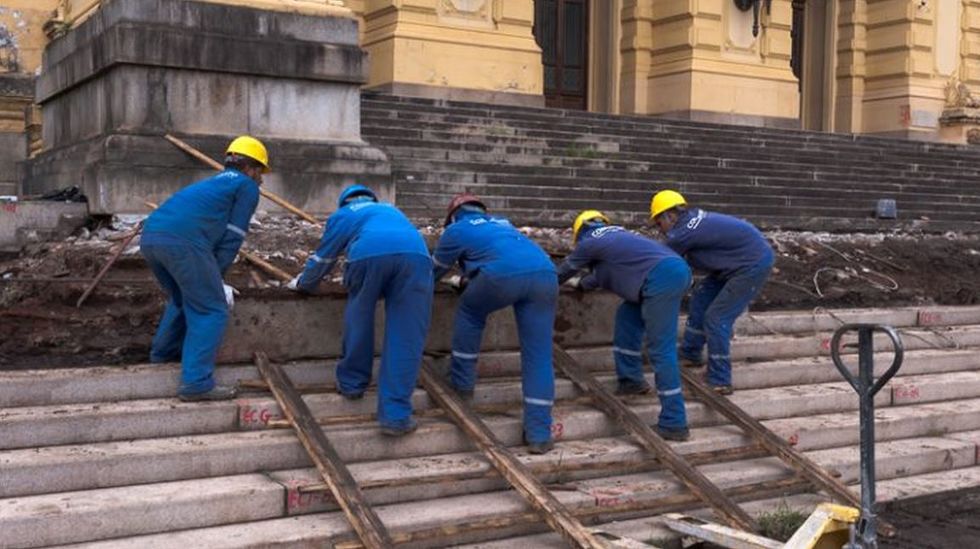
<point x="773" y="443"/>
<point x="365" y="521"/>
<point x="446" y="534"/>
<point x="551" y="510"/>
<point x="690" y="476"/>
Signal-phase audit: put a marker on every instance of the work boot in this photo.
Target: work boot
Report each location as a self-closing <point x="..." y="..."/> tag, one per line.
<point x="539" y="448"/>
<point x="677" y="435"/>
<point x="218" y="392"/>
<point x="466" y="395"/>
<point x="690" y="362"/>
<point x="630" y="387"/>
<point x="351" y="396"/>
<point x="393" y="431"/>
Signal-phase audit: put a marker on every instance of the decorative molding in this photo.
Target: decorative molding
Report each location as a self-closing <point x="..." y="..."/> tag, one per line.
<point x="466" y="12"/>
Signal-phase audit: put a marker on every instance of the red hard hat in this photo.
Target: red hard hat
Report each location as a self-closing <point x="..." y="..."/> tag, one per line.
<point x="459" y="200"/>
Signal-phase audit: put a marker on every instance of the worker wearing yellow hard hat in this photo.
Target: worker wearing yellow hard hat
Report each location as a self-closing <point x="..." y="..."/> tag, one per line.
<point x="736" y="259"/>
<point x="651" y="279"/>
<point x="189" y="242"/>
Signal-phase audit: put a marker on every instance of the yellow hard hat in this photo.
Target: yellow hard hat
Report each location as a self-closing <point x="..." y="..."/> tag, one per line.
<point x="251" y="147"/>
<point x="585" y="217"/>
<point x="665" y="200"/>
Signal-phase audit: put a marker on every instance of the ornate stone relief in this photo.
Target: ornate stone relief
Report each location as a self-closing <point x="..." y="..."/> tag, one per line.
<point x="470" y="12"/>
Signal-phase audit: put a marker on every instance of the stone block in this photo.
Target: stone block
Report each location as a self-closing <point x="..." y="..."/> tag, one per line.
<point x="139" y="69"/>
<point x="32" y="220"/>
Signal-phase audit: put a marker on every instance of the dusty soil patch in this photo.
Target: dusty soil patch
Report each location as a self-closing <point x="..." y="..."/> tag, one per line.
<point x="40" y="326"/>
<point x="935" y="521"/>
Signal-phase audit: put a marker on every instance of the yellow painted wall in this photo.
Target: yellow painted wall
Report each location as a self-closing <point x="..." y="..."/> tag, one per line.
<point x="482" y="45"/>
<point x="703" y="58"/>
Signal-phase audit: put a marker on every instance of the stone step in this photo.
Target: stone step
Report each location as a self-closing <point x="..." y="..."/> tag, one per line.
<point x="146" y="381"/>
<point x="84" y="516"/>
<point x="97" y="422"/>
<point x="585" y="124"/>
<point x="810" y="419"/>
<point x="652" y="528"/>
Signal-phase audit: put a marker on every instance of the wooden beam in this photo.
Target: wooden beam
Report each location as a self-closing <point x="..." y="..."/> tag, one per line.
<point x="365" y="521"/>
<point x="690" y="476"/>
<point x="285" y="204"/>
<point x="775" y="444"/>
<point x="551" y="510"/>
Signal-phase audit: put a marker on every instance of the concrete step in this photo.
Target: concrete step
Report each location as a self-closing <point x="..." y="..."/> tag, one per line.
<point x="83" y="385"/>
<point x="24" y="427"/>
<point x="97" y="465"/>
<point x="81" y="516"/>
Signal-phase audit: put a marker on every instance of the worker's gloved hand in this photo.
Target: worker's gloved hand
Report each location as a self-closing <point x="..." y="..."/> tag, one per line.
<point x="230" y="294"/>
<point x="293" y="284"/>
<point x="574" y="282"/>
<point x="457" y="283"/>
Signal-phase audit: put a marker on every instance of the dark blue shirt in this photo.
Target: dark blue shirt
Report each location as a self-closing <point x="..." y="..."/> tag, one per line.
<point x="718" y="244"/>
<point x="484" y="243"/>
<point x="212" y="214"/>
<point x="361" y="228"/>
<point x="619" y="259"/>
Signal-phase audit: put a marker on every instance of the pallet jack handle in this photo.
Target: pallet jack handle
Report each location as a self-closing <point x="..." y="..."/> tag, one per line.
<point x="864" y="535"/>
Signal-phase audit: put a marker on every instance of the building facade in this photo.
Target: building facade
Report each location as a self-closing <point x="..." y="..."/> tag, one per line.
<point x="900" y="68"/>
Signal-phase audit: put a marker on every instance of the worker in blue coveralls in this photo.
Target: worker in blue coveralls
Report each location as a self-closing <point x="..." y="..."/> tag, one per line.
<point x="737" y="260"/>
<point x="189" y="242"/>
<point x="651" y="279"/>
<point x="501" y="268"/>
<point x="386" y="259"/>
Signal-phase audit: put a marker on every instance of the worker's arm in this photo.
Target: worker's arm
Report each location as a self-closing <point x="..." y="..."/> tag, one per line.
<point x="336" y="235"/>
<point x="246" y="200"/>
<point x="578" y="260"/>
<point x="447" y="253"/>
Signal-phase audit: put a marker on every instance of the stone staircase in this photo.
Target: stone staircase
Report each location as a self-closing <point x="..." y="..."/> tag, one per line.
<point x="105" y="457"/>
<point x="541" y="166"/>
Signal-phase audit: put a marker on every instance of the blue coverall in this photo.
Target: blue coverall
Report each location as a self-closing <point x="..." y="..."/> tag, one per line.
<point x="386" y="259"/>
<point x="651" y="279"/>
<point x="504" y="269"/>
<point x="189" y="242"/>
<point x="737" y="260"/>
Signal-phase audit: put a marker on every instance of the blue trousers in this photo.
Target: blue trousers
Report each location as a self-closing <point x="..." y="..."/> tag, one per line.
<point x="656" y="318"/>
<point x="404" y="281"/>
<point x="714" y="306"/>
<point x="534" y="297"/>
<point x="194" y="320"/>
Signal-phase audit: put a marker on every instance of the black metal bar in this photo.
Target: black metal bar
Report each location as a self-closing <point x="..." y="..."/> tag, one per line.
<point x="865" y="534"/>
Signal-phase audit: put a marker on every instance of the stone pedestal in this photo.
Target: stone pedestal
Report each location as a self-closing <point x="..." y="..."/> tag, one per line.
<point x="139" y="69"/>
<point x="960" y="125"/>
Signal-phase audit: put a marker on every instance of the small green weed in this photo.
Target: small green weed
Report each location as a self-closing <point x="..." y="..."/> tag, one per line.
<point x="782" y="522"/>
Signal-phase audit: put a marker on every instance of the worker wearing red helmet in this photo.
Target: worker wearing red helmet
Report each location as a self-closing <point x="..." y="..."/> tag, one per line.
<point x="501" y="268"/>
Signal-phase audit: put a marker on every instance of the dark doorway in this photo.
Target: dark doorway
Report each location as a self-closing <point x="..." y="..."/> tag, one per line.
<point x="561" y="28"/>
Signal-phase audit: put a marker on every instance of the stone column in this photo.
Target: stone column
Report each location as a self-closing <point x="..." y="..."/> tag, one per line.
<point x="707" y="64"/>
<point x="138" y="69"/>
<point x="470" y="50"/>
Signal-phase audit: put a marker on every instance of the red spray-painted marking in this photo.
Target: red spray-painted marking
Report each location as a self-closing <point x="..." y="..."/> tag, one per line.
<point x="557" y="430"/>
<point x="794" y="439"/>
<point x="927" y="318"/>
<point x="825" y="344"/>
<point x="609" y="497"/>
<point x="906" y="392"/>
<point x="250" y="415"/>
<point x="9" y="208"/>
<point x="297" y="501"/>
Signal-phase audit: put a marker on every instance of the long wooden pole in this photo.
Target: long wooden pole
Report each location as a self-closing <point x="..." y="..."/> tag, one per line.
<point x="105" y="268"/>
<point x="182" y="145"/>
<point x="550" y="509"/>
<point x="362" y="517"/>
<point x="691" y="477"/>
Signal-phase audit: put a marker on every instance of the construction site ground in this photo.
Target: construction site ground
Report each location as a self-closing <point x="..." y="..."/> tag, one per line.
<point x="41" y="326"/>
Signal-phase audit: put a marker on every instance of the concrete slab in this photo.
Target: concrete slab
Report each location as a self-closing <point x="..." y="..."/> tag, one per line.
<point x="75" y="423"/>
<point x="927" y="388"/>
<point x="28" y="221"/>
<point x="113" y="512"/>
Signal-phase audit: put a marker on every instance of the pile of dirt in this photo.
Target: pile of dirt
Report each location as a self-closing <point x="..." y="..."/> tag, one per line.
<point x="40" y="325"/>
